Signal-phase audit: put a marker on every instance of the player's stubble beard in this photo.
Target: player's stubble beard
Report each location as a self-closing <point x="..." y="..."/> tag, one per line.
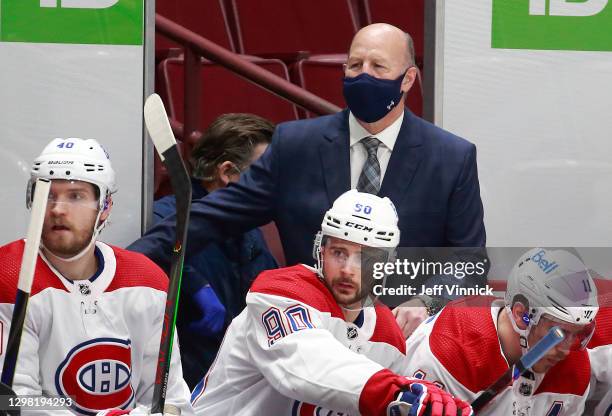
<point x="341" y="298"/>
<point x="70" y="243"/>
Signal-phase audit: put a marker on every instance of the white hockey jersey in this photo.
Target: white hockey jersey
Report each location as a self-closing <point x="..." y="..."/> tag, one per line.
<point x="459" y="349"/>
<point x="95" y="340"/>
<point x="600" y="353"/>
<point x="290" y="352"/>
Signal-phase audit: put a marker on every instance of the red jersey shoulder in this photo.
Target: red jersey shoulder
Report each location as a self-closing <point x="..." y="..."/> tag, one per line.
<point x="604" y="290"/>
<point x="10" y="264"/>
<point x="387" y="329"/>
<point x="570" y="376"/>
<point x="464" y="340"/>
<point x="299" y="283"/>
<point x="136" y="270"/>
<point x="603" y="328"/>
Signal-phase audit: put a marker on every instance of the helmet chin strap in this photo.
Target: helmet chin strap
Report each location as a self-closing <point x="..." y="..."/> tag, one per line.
<point x="317" y="254"/>
<point x="81" y="253"/>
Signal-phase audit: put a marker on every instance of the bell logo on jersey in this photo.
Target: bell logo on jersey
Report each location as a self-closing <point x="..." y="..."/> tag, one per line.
<point x="97" y="374"/>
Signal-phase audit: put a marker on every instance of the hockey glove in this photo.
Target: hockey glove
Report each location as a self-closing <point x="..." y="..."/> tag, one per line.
<point x="423" y="398"/>
<point x="213" y="313"/>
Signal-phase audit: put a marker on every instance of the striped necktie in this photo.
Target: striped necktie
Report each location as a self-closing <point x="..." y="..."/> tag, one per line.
<point x="369" y="180"/>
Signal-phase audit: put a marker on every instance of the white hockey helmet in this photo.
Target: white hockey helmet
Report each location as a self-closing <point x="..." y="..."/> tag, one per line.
<point x="364" y="219"/>
<point x="361" y="218"/>
<point x="555" y="283"/>
<point x="75" y="159"/>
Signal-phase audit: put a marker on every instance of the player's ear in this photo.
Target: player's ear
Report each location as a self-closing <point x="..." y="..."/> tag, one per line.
<point x="108" y="205"/>
<point x="520" y="315"/>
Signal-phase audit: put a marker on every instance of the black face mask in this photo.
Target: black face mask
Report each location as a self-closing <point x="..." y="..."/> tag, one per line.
<point x="370" y="98"/>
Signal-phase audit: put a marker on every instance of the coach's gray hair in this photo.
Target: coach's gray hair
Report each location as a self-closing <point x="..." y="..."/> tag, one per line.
<point x="409" y="59"/>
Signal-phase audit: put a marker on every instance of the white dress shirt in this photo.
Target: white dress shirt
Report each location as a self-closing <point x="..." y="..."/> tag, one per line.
<point x="359" y="154"/>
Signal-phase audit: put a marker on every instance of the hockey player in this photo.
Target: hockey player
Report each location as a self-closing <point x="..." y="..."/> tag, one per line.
<point x="600" y="354"/>
<point x="94" y="318"/>
<point x="465" y="347"/>
<point x="308" y="341"/>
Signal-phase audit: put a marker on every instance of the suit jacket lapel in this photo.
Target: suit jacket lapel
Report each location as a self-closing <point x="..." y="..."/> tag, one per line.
<point x="405" y="158"/>
<point x="335" y="157"/>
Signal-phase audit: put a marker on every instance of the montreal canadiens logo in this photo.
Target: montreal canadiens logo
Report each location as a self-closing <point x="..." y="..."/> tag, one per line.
<point x="97" y="375"/>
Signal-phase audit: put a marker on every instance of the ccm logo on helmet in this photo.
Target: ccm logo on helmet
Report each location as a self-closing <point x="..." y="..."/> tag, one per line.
<point x="97" y="375"/>
<point x="358" y="226"/>
<point x="546" y="265"/>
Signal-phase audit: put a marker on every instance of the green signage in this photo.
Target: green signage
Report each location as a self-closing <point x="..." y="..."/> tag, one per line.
<point x="578" y="25"/>
<point x="110" y="22"/>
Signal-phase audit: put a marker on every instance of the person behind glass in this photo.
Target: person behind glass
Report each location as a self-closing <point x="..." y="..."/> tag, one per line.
<point x="376" y="146"/>
<point x="217" y="278"/>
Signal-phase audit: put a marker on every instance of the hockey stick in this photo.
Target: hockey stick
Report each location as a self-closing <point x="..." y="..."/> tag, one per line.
<point x="26" y="276"/>
<point x="536" y="353"/>
<point x="159" y="129"/>
<point x="24" y="286"/>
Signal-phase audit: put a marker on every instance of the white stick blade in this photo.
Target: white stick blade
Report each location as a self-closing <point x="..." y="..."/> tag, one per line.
<point x="158" y="125"/>
<point x="37" y="218"/>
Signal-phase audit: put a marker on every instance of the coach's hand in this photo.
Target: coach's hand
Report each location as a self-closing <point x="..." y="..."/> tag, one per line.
<point x="409" y="315"/>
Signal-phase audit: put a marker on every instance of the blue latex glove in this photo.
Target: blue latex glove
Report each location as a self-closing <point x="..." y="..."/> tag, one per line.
<point x="213" y="313"/>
